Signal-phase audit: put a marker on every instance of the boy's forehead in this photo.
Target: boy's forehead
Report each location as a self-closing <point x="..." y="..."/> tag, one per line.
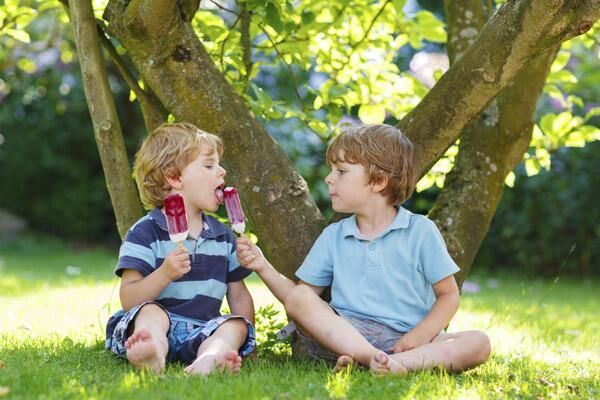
<point x="208" y="151"/>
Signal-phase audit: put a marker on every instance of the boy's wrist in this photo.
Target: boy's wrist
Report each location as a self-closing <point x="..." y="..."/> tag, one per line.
<point x="163" y="273"/>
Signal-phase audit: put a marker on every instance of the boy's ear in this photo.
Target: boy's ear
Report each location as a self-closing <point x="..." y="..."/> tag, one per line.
<point x="174" y="181"/>
<point x="380" y="183"/>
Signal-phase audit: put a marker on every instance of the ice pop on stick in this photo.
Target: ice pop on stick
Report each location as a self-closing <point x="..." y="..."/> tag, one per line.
<point x="234" y="210"/>
<point x="176" y="218"/>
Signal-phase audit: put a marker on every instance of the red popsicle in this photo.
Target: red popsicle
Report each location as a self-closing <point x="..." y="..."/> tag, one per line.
<point x="234" y="210"/>
<point x="176" y="218"/>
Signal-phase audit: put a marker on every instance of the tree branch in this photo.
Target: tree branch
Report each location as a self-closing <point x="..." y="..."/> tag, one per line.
<point x="153" y="111"/>
<point x="107" y="128"/>
<point x="518" y="32"/>
<point x="246" y="43"/>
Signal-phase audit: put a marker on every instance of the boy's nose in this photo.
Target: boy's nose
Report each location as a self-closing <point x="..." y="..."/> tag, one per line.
<point x="223" y="171"/>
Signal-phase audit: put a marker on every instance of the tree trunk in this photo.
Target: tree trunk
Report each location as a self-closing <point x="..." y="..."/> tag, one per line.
<point x="170" y="57"/>
<point x="107" y="129"/>
<point x="490" y="147"/>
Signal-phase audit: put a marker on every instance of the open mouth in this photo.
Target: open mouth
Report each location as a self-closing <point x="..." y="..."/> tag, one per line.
<point x="219" y="193"/>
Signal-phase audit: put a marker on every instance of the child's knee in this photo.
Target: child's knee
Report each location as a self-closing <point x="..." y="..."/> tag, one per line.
<point x="237" y="325"/>
<point x="151" y="313"/>
<point x="480" y="344"/>
<point x="483" y="346"/>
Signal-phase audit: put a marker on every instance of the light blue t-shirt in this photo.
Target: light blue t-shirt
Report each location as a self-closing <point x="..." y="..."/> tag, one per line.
<point x="387" y="279"/>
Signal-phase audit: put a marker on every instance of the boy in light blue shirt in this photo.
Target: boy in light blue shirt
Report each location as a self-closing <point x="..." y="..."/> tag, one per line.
<point x="392" y="284"/>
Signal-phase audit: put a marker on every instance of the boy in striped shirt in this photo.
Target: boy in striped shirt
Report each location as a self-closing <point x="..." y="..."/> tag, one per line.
<point x="171" y="295"/>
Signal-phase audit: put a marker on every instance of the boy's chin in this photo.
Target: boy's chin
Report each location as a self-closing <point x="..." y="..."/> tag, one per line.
<point x="340" y="210"/>
<point x="212" y="208"/>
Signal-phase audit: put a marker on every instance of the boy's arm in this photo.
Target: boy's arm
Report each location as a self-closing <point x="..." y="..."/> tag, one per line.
<point x="240" y="301"/>
<point x="442" y="311"/>
<point x="136" y="289"/>
<point x="250" y="256"/>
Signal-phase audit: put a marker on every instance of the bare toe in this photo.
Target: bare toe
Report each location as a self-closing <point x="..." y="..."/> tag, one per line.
<point x="343" y="362"/>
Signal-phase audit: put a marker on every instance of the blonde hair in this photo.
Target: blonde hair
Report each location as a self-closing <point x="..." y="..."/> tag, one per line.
<point x="165" y="152"/>
<point x="384" y="151"/>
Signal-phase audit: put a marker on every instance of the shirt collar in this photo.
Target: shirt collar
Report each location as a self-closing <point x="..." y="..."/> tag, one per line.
<point x="212" y="228"/>
<point x="401" y="221"/>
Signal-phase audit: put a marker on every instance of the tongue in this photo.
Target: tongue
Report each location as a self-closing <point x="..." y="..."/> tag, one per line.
<point x="219" y="195"/>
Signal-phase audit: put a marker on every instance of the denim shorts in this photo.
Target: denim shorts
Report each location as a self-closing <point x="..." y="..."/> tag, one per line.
<point x="185" y="335"/>
<point x="379" y="335"/>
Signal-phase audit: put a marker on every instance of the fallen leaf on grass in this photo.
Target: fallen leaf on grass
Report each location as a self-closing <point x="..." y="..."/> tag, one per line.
<point x="4" y="391"/>
<point x="2" y="365"/>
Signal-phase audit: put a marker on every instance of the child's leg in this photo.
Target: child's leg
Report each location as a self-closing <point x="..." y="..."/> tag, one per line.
<point x="453" y="351"/>
<point x="220" y="350"/>
<point x="147" y="346"/>
<point x="317" y="319"/>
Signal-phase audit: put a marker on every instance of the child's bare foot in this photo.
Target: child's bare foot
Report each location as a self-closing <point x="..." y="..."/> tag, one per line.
<point x="343" y="362"/>
<point x="382" y="364"/>
<point x="143" y="351"/>
<point x="228" y="361"/>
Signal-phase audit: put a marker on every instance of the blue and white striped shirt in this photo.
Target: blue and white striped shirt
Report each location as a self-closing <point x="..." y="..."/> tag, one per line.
<point x="199" y="293"/>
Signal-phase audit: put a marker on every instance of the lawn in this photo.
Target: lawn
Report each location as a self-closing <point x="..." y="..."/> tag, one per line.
<point x="54" y="302"/>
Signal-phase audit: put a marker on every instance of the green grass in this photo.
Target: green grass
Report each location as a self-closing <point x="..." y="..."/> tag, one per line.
<point x="54" y="302"/>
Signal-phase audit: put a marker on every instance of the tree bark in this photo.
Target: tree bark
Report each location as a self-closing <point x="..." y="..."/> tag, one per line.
<point x="174" y="63"/>
<point x="490" y="147"/>
<point x="107" y="129"/>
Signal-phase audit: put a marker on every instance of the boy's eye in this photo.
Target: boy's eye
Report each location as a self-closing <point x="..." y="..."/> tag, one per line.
<point x="340" y="171"/>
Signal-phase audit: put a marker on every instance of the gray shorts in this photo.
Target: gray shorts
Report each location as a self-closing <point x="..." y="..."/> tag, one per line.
<point x="379" y="335"/>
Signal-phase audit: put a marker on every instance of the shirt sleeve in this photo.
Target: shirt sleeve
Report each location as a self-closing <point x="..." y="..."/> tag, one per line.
<point x="235" y="272"/>
<point x="434" y="258"/>
<point x="317" y="268"/>
<point x="135" y="253"/>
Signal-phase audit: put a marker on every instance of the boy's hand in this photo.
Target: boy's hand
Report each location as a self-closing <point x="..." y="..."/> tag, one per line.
<point x="410" y="341"/>
<point x="249" y="255"/>
<point x="177" y="263"/>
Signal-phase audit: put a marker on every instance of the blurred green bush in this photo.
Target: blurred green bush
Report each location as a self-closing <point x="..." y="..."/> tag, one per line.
<point x="543" y="217"/>
<point x="50" y="171"/>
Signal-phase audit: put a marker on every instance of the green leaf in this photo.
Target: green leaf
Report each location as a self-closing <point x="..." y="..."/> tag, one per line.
<point x="263" y="98"/>
<point x="561" y="123"/>
<point x="273" y="17"/>
<point x="318" y="103"/>
<point x="594" y="112"/>
<point x="430" y="27"/>
<point x="319" y="127"/>
<point x="531" y="167"/>
<point x="308" y="17"/>
<point x="510" y="179"/>
<point x="399" y="6"/>
<point x="371" y="114"/>
<point x="546" y="124"/>
<point x="560" y="61"/>
<point x="425" y="183"/>
<point x="589" y="132"/>
<point x="575" y="139"/>
<point x="562" y="76"/>
<point x="20" y="35"/>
